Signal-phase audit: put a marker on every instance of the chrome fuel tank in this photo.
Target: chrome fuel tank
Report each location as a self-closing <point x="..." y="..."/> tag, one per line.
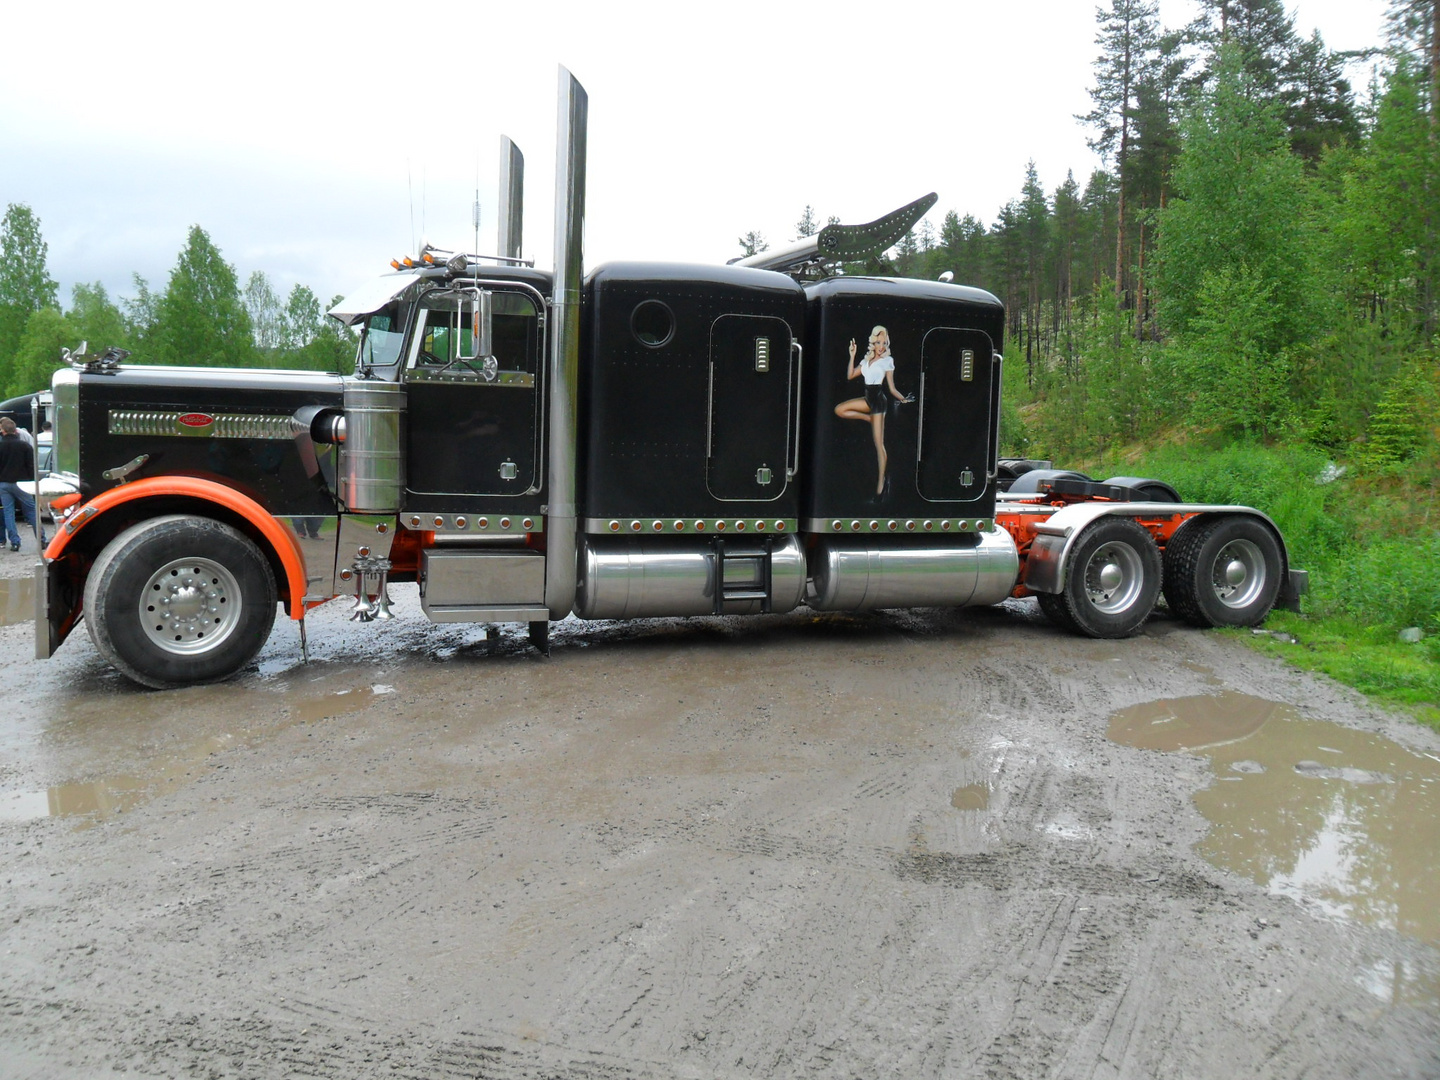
<point x="849" y="575"/>
<point x="650" y="577"/>
<point x="372" y="466"/>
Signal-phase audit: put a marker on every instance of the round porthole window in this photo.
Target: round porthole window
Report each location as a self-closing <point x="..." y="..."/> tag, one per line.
<point x="652" y="323"/>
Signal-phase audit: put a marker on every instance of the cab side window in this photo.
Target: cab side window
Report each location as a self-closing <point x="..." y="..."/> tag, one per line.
<point x="447" y="333"/>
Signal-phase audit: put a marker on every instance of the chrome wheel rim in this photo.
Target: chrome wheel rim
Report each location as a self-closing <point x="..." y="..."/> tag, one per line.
<point x="1238" y="574"/>
<point x="1113" y="577"/>
<point x="190" y="606"/>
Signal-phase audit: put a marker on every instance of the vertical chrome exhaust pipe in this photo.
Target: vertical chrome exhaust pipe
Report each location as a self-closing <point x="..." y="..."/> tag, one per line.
<point x="560" y="525"/>
<point x="512" y="199"/>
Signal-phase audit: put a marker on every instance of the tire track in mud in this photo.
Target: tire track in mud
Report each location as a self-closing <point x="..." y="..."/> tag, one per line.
<point x="760" y="872"/>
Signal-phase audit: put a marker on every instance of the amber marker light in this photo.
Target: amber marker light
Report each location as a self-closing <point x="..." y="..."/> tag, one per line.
<point x="395" y="263"/>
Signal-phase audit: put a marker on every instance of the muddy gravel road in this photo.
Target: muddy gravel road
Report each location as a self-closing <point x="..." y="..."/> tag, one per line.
<point x="921" y="844"/>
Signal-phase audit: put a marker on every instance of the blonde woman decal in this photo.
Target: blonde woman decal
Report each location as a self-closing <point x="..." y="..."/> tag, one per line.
<point x="878" y="371"/>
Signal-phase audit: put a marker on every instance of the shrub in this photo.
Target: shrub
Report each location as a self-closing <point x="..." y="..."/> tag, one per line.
<point x="1388" y="583"/>
<point x="1286" y="483"/>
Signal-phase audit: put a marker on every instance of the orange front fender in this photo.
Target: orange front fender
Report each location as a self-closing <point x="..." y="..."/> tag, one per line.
<point x="278" y="535"/>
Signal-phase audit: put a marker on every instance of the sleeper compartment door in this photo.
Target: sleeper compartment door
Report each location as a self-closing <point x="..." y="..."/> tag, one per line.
<point x="473" y="431"/>
<point x="752" y="386"/>
<point x="955" y="437"/>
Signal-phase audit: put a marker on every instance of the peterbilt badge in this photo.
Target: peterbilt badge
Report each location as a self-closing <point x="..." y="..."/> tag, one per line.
<point x="194" y="423"/>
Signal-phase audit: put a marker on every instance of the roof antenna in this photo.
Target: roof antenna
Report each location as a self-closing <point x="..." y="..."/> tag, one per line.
<point x="475" y="210"/>
<point x="410" y="183"/>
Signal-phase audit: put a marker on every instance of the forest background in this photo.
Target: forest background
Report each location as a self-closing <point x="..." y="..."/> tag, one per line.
<point x="1242" y="301"/>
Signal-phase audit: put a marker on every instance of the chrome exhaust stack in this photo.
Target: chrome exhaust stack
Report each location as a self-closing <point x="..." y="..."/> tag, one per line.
<point x="564" y="370"/>
<point x="512" y="200"/>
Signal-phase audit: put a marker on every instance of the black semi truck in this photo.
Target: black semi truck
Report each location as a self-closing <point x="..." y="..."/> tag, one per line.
<point x="646" y="440"/>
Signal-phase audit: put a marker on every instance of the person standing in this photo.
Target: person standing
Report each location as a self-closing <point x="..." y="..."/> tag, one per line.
<point x="17" y="463"/>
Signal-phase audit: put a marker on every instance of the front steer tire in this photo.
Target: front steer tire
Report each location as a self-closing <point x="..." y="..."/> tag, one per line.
<point x="179" y="600"/>
<point x="1225" y="572"/>
<point x="1112" y="580"/>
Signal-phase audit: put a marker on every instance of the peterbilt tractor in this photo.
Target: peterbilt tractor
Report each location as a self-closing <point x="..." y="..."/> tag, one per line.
<point x="646" y="440"/>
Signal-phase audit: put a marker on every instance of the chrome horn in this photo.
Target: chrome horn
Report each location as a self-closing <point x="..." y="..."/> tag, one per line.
<point x="371" y="604"/>
<point x="382" y="612"/>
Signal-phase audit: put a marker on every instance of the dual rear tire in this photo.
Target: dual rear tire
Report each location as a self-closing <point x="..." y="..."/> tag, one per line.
<point x="1111" y="582"/>
<point x="1224" y="571"/>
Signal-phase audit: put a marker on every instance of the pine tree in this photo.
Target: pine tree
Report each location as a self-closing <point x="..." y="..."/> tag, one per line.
<point x="907" y="255"/>
<point x="1260" y="31"/>
<point x="1098" y="208"/>
<point x="1066" y="238"/>
<point x="1415" y="32"/>
<point x="1394" y="434"/>
<point x="1319" y="107"/>
<point x="1007" y="270"/>
<point x="806" y="225"/>
<point x="1415" y="29"/>
<point x="1035" y="230"/>
<point x="752" y="243"/>
<point x="962" y="249"/>
<point x="1128" y="40"/>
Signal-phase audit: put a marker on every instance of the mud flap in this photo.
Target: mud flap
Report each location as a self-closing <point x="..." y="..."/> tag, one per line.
<point x="57" y="607"/>
<point x="1297" y="584"/>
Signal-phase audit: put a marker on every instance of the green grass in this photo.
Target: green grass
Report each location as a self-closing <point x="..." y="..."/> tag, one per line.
<point x="1370" y="539"/>
<point x="1369" y="658"/>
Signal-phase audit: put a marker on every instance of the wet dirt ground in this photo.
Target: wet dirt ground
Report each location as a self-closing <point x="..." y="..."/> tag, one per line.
<point x="911" y="844"/>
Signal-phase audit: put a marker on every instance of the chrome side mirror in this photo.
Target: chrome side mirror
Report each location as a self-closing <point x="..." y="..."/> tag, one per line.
<point x="480" y="303"/>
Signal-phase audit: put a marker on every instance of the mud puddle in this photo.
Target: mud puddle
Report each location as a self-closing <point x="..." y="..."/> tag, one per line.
<point x="17" y="600"/>
<point x="317" y="699"/>
<point x="1342" y="820"/>
<point x="971" y="797"/>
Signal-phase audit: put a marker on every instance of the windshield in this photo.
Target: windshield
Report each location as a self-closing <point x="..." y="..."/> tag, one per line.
<point x="384" y="335"/>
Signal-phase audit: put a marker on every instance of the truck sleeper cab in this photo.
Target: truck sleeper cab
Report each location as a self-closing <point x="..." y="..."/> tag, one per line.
<point x="648" y="440"/>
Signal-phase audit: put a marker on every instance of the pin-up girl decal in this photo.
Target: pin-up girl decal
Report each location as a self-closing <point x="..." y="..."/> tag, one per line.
<point x="878" y="371"/>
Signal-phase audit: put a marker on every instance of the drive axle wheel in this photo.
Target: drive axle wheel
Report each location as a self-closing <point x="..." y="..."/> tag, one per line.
<point x="178" y="600"/>
<point x="1111" y="581"/>
<point x="1223" y="573"/>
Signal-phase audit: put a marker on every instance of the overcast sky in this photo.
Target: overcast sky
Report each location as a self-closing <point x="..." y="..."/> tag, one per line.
<point x="300" y="135"/>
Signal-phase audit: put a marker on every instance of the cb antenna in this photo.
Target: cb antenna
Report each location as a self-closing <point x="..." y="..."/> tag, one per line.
<point x="410" y="184"/>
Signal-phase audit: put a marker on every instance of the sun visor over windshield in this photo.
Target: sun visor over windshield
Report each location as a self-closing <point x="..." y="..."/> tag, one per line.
<point x="372" y="296"/>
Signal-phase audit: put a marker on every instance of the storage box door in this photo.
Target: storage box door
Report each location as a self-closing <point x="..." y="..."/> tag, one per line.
<point x="752" y="387"/>
<point x="955" y="415"/>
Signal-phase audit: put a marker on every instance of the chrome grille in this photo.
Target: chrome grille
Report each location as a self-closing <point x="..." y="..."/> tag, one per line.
<point x="227" y="425"/>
